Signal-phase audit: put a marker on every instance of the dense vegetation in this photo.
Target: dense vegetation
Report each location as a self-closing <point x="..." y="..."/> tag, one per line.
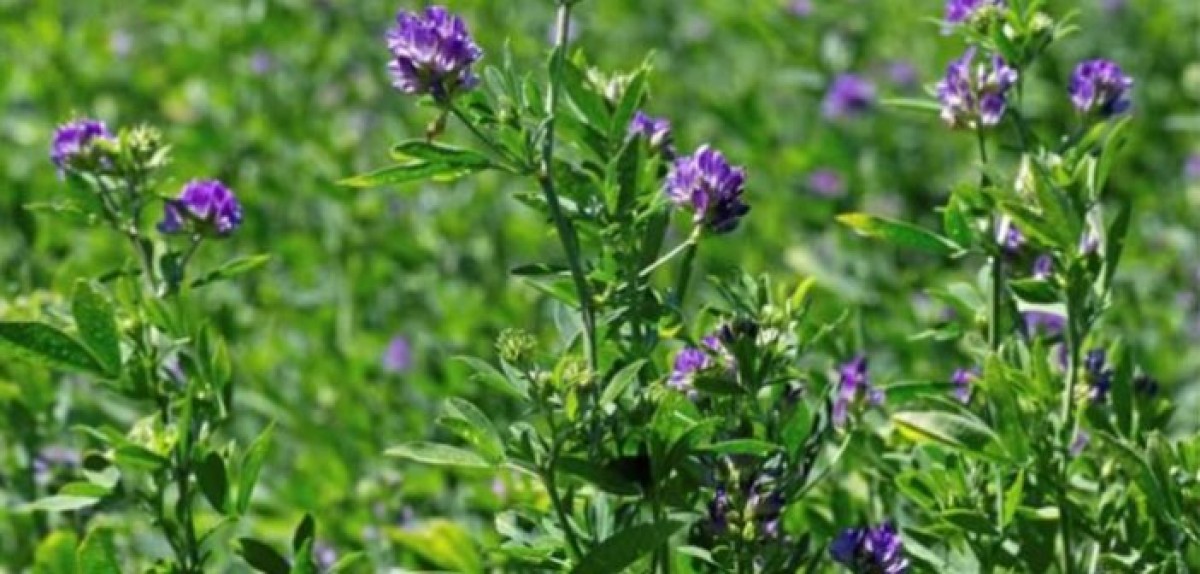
<point x="596" y="286"/>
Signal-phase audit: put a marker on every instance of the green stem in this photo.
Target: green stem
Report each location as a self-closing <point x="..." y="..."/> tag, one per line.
<point x="482" y="137"/>
<point x="566" y="230"/>
<point x="690" y="243"/>
<point x="1066" y="416"/>
<point x="997" y="263"/>
<point x="549" y="481"/>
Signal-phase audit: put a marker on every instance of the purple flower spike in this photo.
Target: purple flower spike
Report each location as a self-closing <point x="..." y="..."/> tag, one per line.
<point x="657" y="131"/>
<point x="1043" y="323"/>
<point x="1100" y="87"/>
<point x="848" y="96"/>
<point x="873" y="550"/>
<point x="432" y="53"/>
<point x="975" y="96"/>
<point x="967" y="11"/>
<point x="708" y="185"/>
<point x="397" y="358"/>
<point x="204" y="206"/>
<point x="852" y="384"/>
<point x="73" y="138"/>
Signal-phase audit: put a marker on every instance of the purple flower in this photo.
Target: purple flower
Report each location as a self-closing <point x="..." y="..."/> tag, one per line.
<point x="853" y="383"/>
<point x="1099" y="86"/>
<point x="963" y="379"/>
<point x="691" y="360"/>
<point x="968" y="11"/>
<point x="1043" y="267"/>
<point x="1081" y="441"/>
<point x="324" y="555"/>
<point x="902" y="73"/>
<point x="849" y="95"/>
<point x="1095" y="363"/>
<point x="657" y="131"/>
<point x="975" y="95"/>
<point x="204" y="206"/>
<point x="261" y="62"/>
<point x="73" y="138"/>
<point x="870" y="550"/>
<point x="826" y="183"/>
<point x="1191" y="167"/>
<point x="432" y="53"/>
<point x="800" y="8"/>
<point x="1010" y="237"/>
<point x="1043" y="323"/>
<point x="397" y="358"/>
<point x="718" y="509"/>
<point x="709" y="186"/>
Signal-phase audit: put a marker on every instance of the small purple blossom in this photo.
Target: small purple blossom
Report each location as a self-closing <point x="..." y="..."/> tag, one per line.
<point x="967" y="11"/>
<point x="691" y="360"/>
<point x="1191" y="167"/>
<point x="1080" y="442"/>
<point x="963" y="380"/>
<point x="1101" y="87"/>
<point x="261" y="62"/>
<point x="657" y="131"/>
<point x="718" y="509"/>
<point x="826" y="182"/>
<point x="208" y="204"/>
<point x="73" y="138"/>
<point x="853" y="383"/>
<point x="432" y="53"/>
<point x="902" y="74"/>
<point x="849" y="95"/>
<point x="1043" y="323"/>
<point x="324" y="555"/>
<point x="1010" y="237"/>
<point x="1099" y="375"/>
<point x="1043" y="267"/>
<point x="870" y="550"/>
<point x="708" y="185"/>
<point x="398" y="356"/>
<point x="800" y="8"/>
<point x="973" y="95"/>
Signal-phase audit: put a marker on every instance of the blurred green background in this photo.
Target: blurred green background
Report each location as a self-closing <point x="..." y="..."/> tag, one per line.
<point x="281" y="98"/>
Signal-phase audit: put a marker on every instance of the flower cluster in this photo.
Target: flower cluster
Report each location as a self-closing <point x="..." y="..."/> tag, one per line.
<point x="826" y="183"/>
<point x="849" y="95"/>
<point x="853" y="383"/>
<point x="707" y="184"/>
<point x="432" y="53"/>
<point x="1100" y="87"/>
<point x="204" y="206"/>
<point x="969" y="11"/>
<point x="690" y="361"/>
<point x="756" y="511"/>
<point x="974" y="96"/>
<point x="73" y="139"/>
<point x="873" y="550"/>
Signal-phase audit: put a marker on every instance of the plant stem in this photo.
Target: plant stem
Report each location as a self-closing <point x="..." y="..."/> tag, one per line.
<point x="545" y="177"/>
<point x="1065" y="437"/>
<point x="997" y="263"/>
<point x="689" y="244"/>
<point x="479" y="135"/>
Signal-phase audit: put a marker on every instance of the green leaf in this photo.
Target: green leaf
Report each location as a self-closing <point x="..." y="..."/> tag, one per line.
<point x="620" y="382"/>
<point x="956" y="224"/>
<point x="346" y="561"/>
<point x="96" y="321"/>
<point x="624" y="548"/>
<point x="233" y="268"/>
<point x="214" y="481"/>
<point x="903" y="392"/>
<point x="967" y="435"/>
<point x="139" y="457"/>
<point x="262" y="557"/>
<point x="900" y="234"/>
<point x="590" y="104"/>
<point x="61" y="503"/>
<point x="495" y="379"/>
<point x="436" y="152"/>
<point x="84" y="489"/>
<point x="97" y="554"/>
<point x="55" y="554"/>
<point x="745" y="446"/>
<point x="409" y="172"/>
<point x="1034" y="290"/>
<point x="1012" y="498"/>
<point x="303" y="562"/>
<point x="47" y="346"/>
<point x="306" y="531"/>
<point x="470" y="424"/>
<point x="252" y="463"/>
<point x="539" y="270"/>
<point x="444" y="544"/>
<point x="1114" y="245"/>
<point x="439" y="455"/>
<point x="970" y="521"/>
<point x="603" y="478"/>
